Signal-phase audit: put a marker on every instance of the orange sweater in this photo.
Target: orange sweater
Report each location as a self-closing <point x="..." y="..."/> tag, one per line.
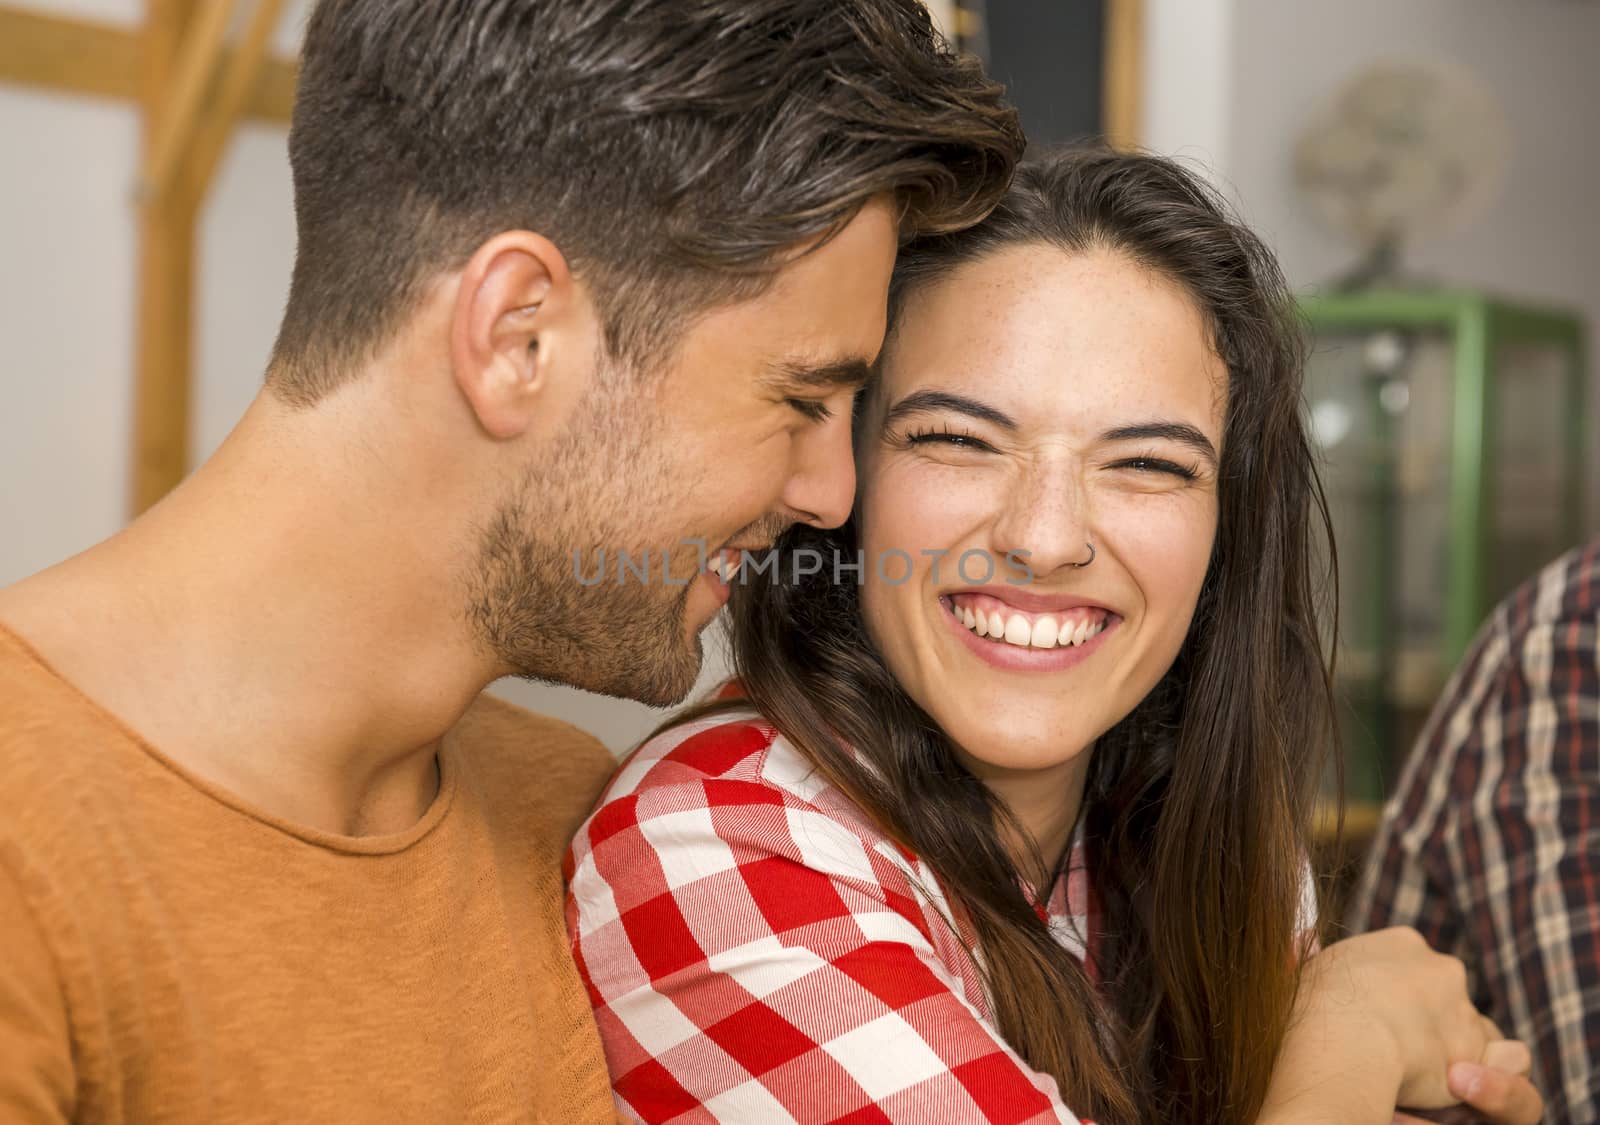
<point x="169" y="954"/>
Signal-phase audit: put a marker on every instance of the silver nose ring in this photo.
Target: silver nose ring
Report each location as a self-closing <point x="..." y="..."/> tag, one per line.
<point x="1088" y="560"/>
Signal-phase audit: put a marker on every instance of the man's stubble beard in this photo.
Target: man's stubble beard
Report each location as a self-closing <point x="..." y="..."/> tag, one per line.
<point x="619" y="638"/>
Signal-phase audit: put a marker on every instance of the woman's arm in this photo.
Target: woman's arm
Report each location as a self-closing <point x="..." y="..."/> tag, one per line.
<point x="753" y="959"/>
<point x="1336" y="1065"/>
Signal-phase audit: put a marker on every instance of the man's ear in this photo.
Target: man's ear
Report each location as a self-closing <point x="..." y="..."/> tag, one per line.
<point x="513" y="290"/>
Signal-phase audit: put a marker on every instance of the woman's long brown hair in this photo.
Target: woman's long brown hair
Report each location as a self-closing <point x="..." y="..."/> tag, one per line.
<point x="1196" y="811"/>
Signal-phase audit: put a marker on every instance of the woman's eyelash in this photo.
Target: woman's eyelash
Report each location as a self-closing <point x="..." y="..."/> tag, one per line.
<point x="960" y="439"/>
<point x="1160" y="465"/>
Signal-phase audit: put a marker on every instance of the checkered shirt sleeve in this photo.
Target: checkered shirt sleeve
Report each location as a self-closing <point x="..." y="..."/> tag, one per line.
<point x="756" y="952"/>
<point x="1490" y="845"/>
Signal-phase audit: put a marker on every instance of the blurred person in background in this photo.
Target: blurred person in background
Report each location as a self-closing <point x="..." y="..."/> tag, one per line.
<point x="1490" y="846"/>
<point x="569" y="276"/>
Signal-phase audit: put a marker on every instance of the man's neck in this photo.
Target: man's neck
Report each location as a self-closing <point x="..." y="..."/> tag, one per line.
<point x="275" y="628"/>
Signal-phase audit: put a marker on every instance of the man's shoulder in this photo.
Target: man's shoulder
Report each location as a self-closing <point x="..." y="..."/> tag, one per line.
<point x="1570" y="586"/>
<point x="1564" y="592"/>
<point x="31" y="693"/>
<point x="492" y="721"/>
<point x="71" y="778"/>
<point x="1552" y="618"/>
<point x="52" y="739"/>
<point x="549" y="769"/>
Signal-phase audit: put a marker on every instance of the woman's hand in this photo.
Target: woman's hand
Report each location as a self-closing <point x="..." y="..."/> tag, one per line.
<point x="1496" y="1091"/>
<point x="1412" y="1001"/>
<point x="1380" y="1021"/>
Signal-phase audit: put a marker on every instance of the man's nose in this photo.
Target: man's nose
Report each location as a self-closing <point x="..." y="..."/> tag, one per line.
<point x="822" y="487"/>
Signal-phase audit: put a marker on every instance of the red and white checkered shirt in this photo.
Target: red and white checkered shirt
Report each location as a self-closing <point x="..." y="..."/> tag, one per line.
<point x="757" y="951"/>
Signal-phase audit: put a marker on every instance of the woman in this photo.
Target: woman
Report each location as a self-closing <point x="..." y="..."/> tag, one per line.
<point x="1009" y="822"/>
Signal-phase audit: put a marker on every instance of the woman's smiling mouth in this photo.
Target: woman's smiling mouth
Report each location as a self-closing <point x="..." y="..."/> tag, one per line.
<point x="1009" y="636"/>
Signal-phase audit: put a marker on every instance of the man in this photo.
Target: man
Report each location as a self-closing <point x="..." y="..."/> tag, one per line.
<point x="1491" y="844"/>
<point x="570" y="277"/>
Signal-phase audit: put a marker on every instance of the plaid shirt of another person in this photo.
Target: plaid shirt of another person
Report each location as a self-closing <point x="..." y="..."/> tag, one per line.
<point x="1490" y="846"/>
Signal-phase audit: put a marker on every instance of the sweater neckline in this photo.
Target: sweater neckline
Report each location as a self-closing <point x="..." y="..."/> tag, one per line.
<point x="384" y="844"/>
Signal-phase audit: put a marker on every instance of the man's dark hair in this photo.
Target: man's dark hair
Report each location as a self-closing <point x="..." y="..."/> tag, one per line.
<point x="671" y="148"/>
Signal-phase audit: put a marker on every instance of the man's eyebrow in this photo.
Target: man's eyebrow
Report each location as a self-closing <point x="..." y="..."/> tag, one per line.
<point x="927" y="402"/>
<point x="840" y="374"/>
<point x="1180" y="432"/>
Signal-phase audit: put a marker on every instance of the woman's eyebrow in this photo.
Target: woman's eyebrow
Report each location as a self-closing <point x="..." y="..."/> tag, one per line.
<point x="1180" y="432"/>
<point x="926" y="402"/>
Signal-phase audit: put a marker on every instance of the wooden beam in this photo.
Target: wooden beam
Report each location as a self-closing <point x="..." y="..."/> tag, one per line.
<point x="272" y="100"/>
<point x="74" y="56"/>
<point x="164" y="351"/>
<point x="239" y="82"/>
<point x="194" y="77"/>
<point x="56" y="53"/>
<point x="1122" y="77"/>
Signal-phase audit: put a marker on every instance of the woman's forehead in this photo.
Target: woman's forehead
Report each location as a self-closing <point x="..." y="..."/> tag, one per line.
<point x="1042" y="331"/>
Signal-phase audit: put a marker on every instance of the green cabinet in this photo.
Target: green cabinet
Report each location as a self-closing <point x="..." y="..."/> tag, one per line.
<point x="1451" y="426"/>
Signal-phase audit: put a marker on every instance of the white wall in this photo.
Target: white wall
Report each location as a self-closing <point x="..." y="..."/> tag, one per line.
<point x="67" y="309"/>
<point x="1188" y="84"/>
<point x="1542" y="238"/>
<point x="1274" y="61"/>
<point x="66" y="319"/>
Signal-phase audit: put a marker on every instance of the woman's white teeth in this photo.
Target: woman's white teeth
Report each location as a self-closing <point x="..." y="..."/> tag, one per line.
<point x="726" y="568"/>
<point x="1017" y="630"/>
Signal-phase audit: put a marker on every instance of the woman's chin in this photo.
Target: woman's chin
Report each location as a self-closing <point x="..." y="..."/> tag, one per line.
<point x="1022" y="747"/>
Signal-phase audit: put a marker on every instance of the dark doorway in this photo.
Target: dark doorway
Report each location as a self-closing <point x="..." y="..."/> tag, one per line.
<point x="1050" y="55"/>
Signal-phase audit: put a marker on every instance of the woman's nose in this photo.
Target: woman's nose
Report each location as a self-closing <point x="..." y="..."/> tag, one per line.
<point x="1046" y="514"/>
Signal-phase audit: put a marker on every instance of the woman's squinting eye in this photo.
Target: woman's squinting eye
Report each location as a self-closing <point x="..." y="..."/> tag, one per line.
<point x="1160" y="465"/>
<point x="945" y="436"/>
